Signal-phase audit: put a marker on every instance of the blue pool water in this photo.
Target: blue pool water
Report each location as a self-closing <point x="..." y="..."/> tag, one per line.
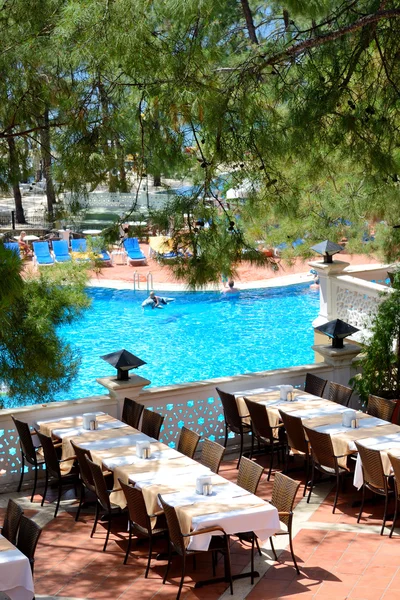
<point x="199" y="336"/>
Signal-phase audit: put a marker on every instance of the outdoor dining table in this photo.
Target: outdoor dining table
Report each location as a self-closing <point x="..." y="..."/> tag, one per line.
<point x="170" y="473"/>
<point x="15" y="572"/>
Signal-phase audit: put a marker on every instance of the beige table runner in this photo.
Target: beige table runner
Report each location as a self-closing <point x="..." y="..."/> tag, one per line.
<point x="289" y="407"/>
<point x="5" y="545"/>
<point x="71" y="423"/>
<point x="330" y="419"/>
<point x="264" y="397"/>
<point x="98" y="456"/>
<point x="90" y="436"/>
<point x="185" y="483"/>
<point x="127" y="472"/>
<point x="187" y="512"/>
<point x="341" y="441"/>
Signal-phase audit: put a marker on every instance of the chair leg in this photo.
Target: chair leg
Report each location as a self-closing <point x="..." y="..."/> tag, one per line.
<point x="108" y="532"/>
<point x="252" y="445"/>
<point x="169" y="562"/>
<point x="241" y="449"/>
<point x="271" y="461"/>
<point x="81" y="500"/>
<point x="362" y="504"/>
<point x="45" y="488"/>
<point x="258" y="546"/>
<point x="149" y="557"/>
<point x="311" y="482"/>
<point x="214" y="562"/>
<point x="252" y="558"/>
<point x="129" y="546"/>
<point x="34" y="483"/>
<point x="292" y="552"/>
<point x="226" y="435"/>
<point x="58" y="498"/>
<point x="22" y="473"/>
<point x="273" y="548"/>
<point x="385" y="512"/>
<point x="182" y="577"/>
<point x="337" y="492"/>
<point x="194" y="562"/>
<point x="228" y="567"/>
<point x="307" y="475"/>
<point x="395" y="514"/>
<point x="96" y="518"/>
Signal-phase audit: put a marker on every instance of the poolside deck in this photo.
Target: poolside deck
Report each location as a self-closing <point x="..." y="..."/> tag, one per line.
<point x="338" y="558"/>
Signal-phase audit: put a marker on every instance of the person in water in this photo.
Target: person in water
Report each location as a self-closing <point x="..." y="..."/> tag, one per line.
<point x="231" y="289"/>
<point x="157" y="300"/>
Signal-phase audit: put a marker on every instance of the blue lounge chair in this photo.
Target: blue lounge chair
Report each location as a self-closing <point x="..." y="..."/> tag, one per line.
<point x="133" y="251"/>
<point x="41" y="253"/>
<point x="14" y="247"/>
<point x="60" y="249"/>
<point x="79" y="245"/>
<point x="102" y="255"/>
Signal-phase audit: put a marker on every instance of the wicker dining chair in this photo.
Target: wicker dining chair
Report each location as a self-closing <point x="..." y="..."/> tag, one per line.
<point x="11" y="521"/>
<point x="296" y="440"/>
<point x="188" y="442"/>
<point x="340" y="394"/>
<point x="374" y="478"/>
<point x="142" y="525"/>
<point x="131" y="412"/>
<point x="152" y="423"/>
<point x="178" y="543"/>
<point x="395" y="462"/>
<point x="103" y="499"/>
<point x="53" y="469"/>
<point x="211" y="455"/>
<point x="29" y="452"/>
<point x="4" y="596"/>
<point x="381" y="407"/>
<point x="264" y="433"/>
<point x="233" y="420"/>
<point x="324" y="460"/>
<point x="314" y="385"/>
<point x="28" y="537"/>
<point x="249" y="475"/>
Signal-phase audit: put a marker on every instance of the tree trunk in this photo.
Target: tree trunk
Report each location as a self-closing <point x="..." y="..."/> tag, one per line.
<point x="249" y="21"/>
<point x="14" y="176"/>
<point x="123" y="184"/>
<point x="46" y="158"/>
<point x="156" y="179"/>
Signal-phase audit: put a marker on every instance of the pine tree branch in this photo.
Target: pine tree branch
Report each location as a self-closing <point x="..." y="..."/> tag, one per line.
<point x="249" y="21"/>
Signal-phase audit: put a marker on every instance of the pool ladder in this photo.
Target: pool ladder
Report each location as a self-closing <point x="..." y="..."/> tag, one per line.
<point x="136" y="281"/>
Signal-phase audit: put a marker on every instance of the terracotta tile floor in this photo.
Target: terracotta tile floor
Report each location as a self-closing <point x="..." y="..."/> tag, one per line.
<point x="337" y="558"/>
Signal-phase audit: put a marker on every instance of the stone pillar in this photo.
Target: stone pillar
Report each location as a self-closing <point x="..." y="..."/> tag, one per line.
<point x="119" y="390"/>
<point x="327" y="273"/>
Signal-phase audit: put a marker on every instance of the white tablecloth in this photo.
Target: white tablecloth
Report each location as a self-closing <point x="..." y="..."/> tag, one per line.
<point x="16" y="575"/>
<point x="333" y="428"/>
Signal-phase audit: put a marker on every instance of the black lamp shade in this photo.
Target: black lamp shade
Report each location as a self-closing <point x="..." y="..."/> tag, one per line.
<point x="338" y="330"/>
<point x="123" y="361"/>
<point x="328" y="249"/>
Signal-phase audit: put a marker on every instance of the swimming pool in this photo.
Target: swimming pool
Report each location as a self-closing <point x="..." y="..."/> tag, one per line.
<point x="199" y="336"/>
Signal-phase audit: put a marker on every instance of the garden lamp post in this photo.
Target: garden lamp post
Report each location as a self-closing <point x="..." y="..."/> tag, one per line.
<point x="337" y="330"/>
<point x="327" y="249"/>
<point x="123" y="361"/>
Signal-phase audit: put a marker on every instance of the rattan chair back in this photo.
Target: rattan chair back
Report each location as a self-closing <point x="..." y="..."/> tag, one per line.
<point x="395" y="462"/>
<point x="321" y="448"/>
<point x="50" y="455"/>
<point x="295" y="432"/>
<point x="152" y="423"/>
<point x="131" y="412"/>
<point x="84" y="469"/>
<point x="25" y="440"/>
<point x="188" y="442"/>
<point x="259" y="420"/>
<point x="136" y="507"/>
<point x="249" y="475"/>
<point x="11" y="521"/>
<point x="28" y="537"/>
<point x="231" y="411"/>
<point x="315" y="385"/>
<point x="381" y="407"/>
<point x="174" y="528"/>
<point x="373" y="473"/>
<point x="211" y="455"/>
<point x="99" y="485"/>
<point x="283" y="496"/>
<point x="340" y="394"/>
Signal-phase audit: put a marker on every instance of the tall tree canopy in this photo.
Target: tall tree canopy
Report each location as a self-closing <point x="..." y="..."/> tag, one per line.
<point x="300" y="98"/>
